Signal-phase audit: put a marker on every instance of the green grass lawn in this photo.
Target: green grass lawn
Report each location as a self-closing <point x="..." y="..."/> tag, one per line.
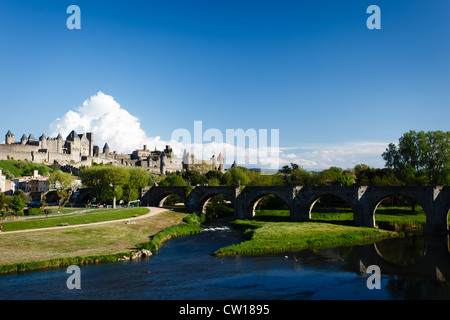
<point x="84" y="244"/>
<point x="21" y="168"/>
<point x="78" y="219"/>
<point x="397" y="218"/>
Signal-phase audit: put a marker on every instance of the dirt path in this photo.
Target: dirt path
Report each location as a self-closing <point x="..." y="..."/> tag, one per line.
<point x="153" y="211"/>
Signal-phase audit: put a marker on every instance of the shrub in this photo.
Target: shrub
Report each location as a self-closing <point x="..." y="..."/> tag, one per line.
<point x="34" y="212"/>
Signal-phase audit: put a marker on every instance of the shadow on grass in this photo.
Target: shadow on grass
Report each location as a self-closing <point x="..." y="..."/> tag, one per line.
<point x="337" y="217"/>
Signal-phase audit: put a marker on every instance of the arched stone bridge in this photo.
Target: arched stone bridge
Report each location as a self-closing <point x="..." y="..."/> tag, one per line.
<point x="362" y="200"/>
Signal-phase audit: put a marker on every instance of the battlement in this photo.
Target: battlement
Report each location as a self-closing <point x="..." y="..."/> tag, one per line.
<point x="73" y="149"/>
<point x="79" y="149"/>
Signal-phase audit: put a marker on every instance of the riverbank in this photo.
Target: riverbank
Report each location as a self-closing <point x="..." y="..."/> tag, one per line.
<point x="92" y="243"/>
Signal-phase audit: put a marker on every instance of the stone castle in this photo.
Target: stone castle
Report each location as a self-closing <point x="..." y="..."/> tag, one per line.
<point x="79" y="149"/>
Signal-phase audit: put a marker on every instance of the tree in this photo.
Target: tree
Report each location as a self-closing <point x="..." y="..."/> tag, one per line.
<point x="5" y="201"/>
<point x="377" y="177"/>
<point x="139" y="178"/>
<point x="173" y="180"/>
<point x="114" y="179"/>
<point x="421" y="157"/>
<point x="105" y="182"/>
<point x="344" y="180"/>
<point x="17" y="204"/>
<point x="64" y="185"/>
<point x="329" y="176"/>
<point x="213" y="177"/>
<point x="301" y="177"/>
<point x="235" y="176"/>
<point x="25" y="196"/>
<point x="288" y="170"/>
<point x="194" y="177"/>
<point x="214" y="174"/>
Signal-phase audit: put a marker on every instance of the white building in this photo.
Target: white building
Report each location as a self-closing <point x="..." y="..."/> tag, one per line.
<point x="2" y="181"/>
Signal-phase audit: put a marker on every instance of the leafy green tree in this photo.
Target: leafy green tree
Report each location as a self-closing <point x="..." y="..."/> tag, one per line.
<point x="194" y="177"/>
<point x="113" y="178"/>
<point x="105" y="182"/>
<point x="421" y="157"/>
<point x="25" y="196"/>
<point x="345" y="180"/>
<point x="214" y="174"/>
<point x="17" y="204"/>
<point x="258" y="179"/>
<point x="64" y="185"/>
<point x="173" y="180"/>
<point x="5" y="201"/>
<point x="295" y="175"/>
<point x="377" y="177"/>
<point x="139" y="178"/>
<point x="235" y="176"/>
<point x="329" y="176"/>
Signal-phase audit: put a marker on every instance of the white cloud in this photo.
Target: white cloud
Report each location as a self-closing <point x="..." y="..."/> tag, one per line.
<point x="344" y="155"/>
<point x="109" y="122"/>
<point x="113" y="124"/>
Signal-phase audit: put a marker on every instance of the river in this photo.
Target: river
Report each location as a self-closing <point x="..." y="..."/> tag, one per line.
<point x="414" y="267"/>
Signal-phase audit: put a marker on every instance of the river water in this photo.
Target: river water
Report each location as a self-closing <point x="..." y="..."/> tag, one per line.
<point x="415" y="267"/>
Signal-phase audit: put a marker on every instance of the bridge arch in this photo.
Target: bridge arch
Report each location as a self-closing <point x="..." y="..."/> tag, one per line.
<point x="253" y="204"/>
<point x="384" y="199"/>
<point x="307" y="197"/>
<point x="417" y="194"/>
<point x="163" y="198"/>
<point x="204" y="201"/>
<point x="156" y="196"/>
<point x="329" y="196"/>
<point x="201" y="196"/>
<point x="252" y="195"/>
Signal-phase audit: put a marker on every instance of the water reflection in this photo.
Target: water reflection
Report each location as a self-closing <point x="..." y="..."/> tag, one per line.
<point x="414" y="267"/>
<point x="419" y="257"/>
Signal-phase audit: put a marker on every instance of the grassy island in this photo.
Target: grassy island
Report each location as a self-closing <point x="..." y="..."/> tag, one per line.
<point x="271" y="231"/>
<point x="275" y="237"/>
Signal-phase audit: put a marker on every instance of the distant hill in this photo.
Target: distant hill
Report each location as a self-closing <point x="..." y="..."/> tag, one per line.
<point x="15" y="168"/>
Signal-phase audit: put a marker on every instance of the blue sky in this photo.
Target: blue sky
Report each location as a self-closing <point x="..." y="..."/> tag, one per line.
<point x="337" y="91"/>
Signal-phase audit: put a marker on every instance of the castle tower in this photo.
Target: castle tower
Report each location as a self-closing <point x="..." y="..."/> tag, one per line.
<point x="31" y="138"/>
<point x="73" y="136"/>
<point x="59" y="144"/>
<point x="24" y="139"/>
<point x="221" y="160"/>
<point x="163" y="163"/>
<point x="95" y="151"/>
<point x="106" y="151"/>
<point x="43" y="141"/>
<point x="90" y="137"/>
<point x="9" y="139"/>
